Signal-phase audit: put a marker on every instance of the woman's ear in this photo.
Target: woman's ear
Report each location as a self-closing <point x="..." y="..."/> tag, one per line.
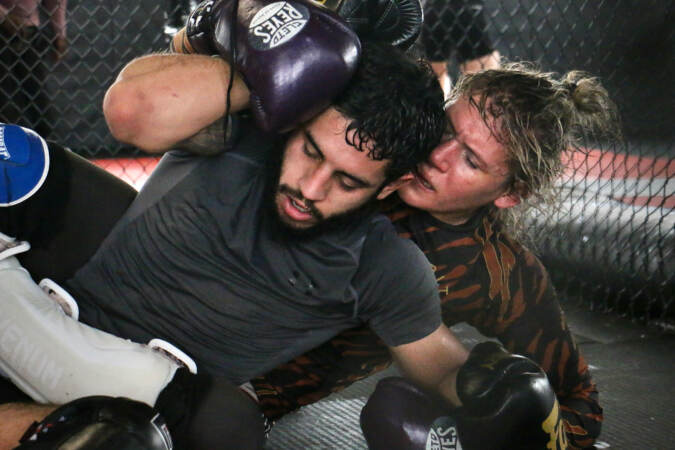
<point x="513" y="196"/>
<point x="507" y="200"/>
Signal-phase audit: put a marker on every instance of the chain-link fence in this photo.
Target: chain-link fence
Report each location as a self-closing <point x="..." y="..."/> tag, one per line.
<point x="610" y="241"/>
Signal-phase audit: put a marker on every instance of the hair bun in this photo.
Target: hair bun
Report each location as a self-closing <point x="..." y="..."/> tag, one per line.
<point x="570" y="86"/>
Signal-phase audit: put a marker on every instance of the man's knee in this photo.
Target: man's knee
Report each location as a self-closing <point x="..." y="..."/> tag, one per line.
<point x="205" y="412"/>
<point x="237" y="420"/>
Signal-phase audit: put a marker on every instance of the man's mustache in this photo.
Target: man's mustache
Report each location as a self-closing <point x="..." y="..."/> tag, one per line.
<point x="297" y="195"/>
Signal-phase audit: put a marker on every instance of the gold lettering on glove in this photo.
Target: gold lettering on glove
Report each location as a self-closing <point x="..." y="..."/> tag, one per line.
<point x="553" y="426"/>
<point x="332" y="4"/>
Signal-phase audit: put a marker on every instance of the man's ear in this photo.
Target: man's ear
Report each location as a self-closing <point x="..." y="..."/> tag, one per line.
<point x="394" y="185"/>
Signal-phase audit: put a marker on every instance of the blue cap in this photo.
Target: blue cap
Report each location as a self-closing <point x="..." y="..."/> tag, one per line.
<point x="24" y="163"/>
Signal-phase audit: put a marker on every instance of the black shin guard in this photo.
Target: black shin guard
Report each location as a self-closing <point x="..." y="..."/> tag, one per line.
<point x="99" y="423"/>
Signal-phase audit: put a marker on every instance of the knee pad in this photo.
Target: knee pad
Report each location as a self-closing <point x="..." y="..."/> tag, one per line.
<point x="102" y="423"/>
<point x="24" y="163"/>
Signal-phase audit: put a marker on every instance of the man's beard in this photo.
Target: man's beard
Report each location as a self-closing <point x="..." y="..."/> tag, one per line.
<point x="340" y="221"/>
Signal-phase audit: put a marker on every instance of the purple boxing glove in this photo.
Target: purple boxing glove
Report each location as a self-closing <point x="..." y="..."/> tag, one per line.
<point x="295" y="56"/>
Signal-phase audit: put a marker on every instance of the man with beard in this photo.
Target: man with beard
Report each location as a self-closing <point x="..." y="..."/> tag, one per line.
<point x="241" y="259"/>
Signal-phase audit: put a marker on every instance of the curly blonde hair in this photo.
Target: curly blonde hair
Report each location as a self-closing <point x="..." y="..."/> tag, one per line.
<point x="538" y="116"/>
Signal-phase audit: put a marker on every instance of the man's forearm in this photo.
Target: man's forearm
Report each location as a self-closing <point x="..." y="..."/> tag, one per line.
<point x="162" y="99"/>
<point x="208" y="141"/>
<point x="433" y="362"/>
<point x="16" y="418"/>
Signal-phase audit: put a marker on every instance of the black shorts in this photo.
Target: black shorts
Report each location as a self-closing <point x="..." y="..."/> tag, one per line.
<point x="10" y="393"/>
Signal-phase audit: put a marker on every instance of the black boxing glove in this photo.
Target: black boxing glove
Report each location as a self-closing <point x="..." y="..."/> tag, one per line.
<point x="507" y="400"/>
<point x="509" y="395"/>
<point x="294" y="56"/>
<point x="398" y="22"/>
<point x="99" y="423"/>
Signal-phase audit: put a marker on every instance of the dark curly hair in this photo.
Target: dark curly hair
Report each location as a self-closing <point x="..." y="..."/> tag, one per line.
<point x="395" y="105"/>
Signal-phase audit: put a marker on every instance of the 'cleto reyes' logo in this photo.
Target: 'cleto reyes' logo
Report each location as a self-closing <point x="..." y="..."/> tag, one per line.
<point x="276" y="23"/>
<point x="443" y="435"/>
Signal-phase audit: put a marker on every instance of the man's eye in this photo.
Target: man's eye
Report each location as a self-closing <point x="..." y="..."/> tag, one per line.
<point x="348" y="185"/>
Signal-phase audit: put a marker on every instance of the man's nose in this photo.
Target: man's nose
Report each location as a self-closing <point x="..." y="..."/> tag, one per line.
<point x="440" y="156"/>
<point x="315" y="184"/>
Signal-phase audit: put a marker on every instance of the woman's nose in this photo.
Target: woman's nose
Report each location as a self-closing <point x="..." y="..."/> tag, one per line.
<point x="440" y="156"/>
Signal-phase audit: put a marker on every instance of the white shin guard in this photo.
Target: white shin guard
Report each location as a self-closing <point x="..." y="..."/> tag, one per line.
<point x="55" y="359"/>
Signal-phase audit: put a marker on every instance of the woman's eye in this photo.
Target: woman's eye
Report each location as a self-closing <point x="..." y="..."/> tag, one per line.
<point x="468" y="160"/>
<point x="306" y="150"/>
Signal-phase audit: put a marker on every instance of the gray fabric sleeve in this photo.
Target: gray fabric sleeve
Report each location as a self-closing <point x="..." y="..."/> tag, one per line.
<point x="401" y="303"/>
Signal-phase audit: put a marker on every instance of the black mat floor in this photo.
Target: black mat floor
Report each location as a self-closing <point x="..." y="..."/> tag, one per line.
<point x="633" y="367"/>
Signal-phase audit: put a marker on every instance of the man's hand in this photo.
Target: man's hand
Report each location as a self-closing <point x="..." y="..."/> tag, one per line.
<point x="507" y="403"/>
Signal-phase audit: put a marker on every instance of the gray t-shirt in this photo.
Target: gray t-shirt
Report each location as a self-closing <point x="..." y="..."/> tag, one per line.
<point x="195" y="262"/>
